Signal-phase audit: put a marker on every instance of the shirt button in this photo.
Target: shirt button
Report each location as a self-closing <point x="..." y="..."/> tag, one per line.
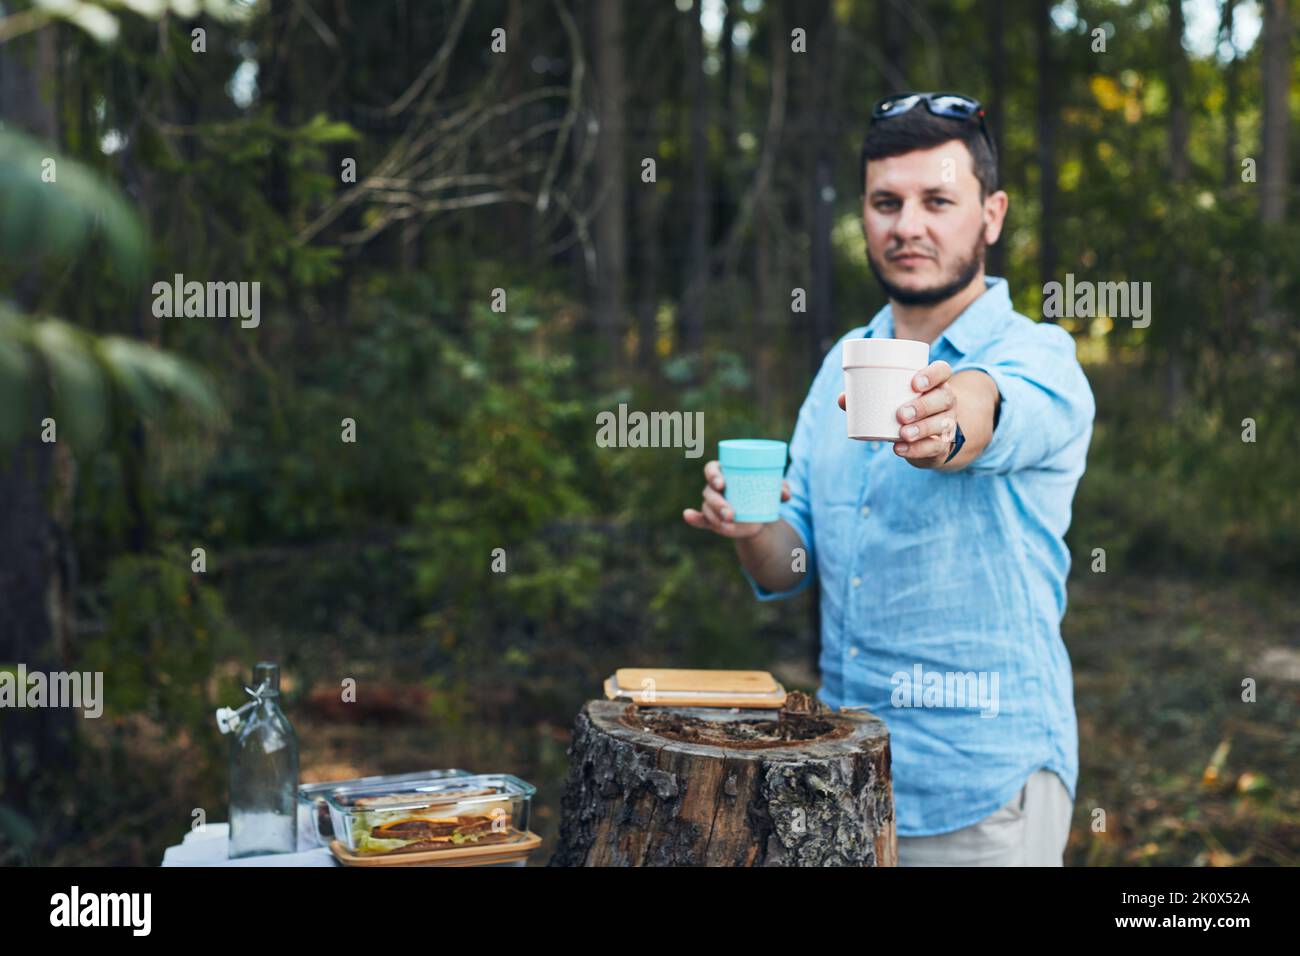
<point x="853" y="652"/>
<point x="866" y="510"/>
<point x="856" y="582"/>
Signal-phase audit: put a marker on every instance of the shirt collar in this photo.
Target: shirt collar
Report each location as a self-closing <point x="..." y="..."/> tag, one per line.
<point x="969" y="329"/>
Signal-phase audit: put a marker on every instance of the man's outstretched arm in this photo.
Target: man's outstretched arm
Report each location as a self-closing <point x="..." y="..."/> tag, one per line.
<point x="928" y="423"/>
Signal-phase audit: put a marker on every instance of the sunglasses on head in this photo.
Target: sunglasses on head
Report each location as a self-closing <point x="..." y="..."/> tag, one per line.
<point x="953" y="105"/>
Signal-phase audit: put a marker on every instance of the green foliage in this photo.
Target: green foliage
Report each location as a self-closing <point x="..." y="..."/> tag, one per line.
<point x="1190" y="494"/>
<point x="41" y="220"/>
<point x="98" y="18"/>
<point x="82" y="372"/>
<point x="17" y="836"/>
<point x="255" y="232"/>
<point x="504" y="475"/>
<point x="166" y="631"/>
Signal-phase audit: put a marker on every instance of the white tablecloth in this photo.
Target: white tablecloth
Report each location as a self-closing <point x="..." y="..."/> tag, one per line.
<point x="208" y="847"/>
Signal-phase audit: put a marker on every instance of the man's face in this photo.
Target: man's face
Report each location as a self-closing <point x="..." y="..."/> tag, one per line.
<point x="925" y="225"/>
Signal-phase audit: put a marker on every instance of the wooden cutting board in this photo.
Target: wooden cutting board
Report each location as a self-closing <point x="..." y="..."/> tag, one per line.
<point x="695" y="688"/>
<point x="667" y="679"/>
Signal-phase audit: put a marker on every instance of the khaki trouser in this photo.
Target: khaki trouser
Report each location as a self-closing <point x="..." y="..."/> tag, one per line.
<point x="1030" y="830"/>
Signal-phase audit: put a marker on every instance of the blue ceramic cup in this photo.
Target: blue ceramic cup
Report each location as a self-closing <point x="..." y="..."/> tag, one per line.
<point x="752" y="469"/>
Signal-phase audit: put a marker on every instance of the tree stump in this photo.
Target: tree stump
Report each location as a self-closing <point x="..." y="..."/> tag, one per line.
<point x="682" y="786"/>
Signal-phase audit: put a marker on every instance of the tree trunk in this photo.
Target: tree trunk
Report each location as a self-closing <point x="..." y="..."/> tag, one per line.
<point x="763" y="319"/>
<point x="820" y="198"/>
<point x="612" y="173"/>
<point x="821" y="307"/>
<point x="997" y="257"/>
<point x="36" y="619"/>
<point x="668" y="786"/>
<point x="894" y="41"/>
<point x="1232" y="184"/>
<point x="1178" y="79"/>
<point x="1276" y="70"/>
<point x="697" y="266"/>
<point x="276" y="76"/>
<point x="650" y="204"/>
<point x="730" y="111"/>
<point x="1046" y="147"/>
<point x="1231" y="169"/>
<point x="643" y="120"/>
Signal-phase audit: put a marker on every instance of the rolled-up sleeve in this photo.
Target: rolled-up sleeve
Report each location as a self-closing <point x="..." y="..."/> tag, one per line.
<point x="1046" y="406"/>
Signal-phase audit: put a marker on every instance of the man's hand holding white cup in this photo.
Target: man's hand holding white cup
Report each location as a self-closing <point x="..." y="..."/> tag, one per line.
<point x="928" y="423"/>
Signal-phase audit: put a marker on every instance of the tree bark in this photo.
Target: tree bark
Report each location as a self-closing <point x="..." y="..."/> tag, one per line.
<point x="612" y="174"/>
<point x="1273" y="166"/>
<point x="1276" y="69"/>
<point x="1230" y="329"/>
<point x="642" y="112"/>
<point x="1046" y="147"/>
<point x="646" y="797"/>
<point x="1177" y="79"/>
<point x="650" y="204"/>
<point x="1179" y="171"/>
<point x="997" y="256"/>
<point x="730" y="112"/>
<point x="894" y="40"/>
<point x="36" y="619"/>
<point x="1231" y="168"/>
<point x="766" y="302"/>
<point x="697" y="266"/>
<point x="819" y="147"/>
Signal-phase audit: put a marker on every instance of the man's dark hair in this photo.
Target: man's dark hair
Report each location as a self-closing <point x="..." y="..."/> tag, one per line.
<point x="918" y="128"/>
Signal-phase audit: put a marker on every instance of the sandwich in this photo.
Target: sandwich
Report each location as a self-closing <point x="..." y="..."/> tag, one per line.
<point x="382" y="825"/>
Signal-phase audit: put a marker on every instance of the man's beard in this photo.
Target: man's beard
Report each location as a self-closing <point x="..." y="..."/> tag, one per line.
<point x="966" y="271"/>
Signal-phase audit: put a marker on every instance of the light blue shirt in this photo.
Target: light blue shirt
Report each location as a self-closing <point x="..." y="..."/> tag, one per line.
<point x="942" y="593"/>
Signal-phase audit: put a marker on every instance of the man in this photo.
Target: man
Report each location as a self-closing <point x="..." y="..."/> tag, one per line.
<point x="940" y="562"/>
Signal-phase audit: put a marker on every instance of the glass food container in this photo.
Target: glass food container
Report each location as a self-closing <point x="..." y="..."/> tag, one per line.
<point x="437" y="814"/>
<point x="314" y="826"/>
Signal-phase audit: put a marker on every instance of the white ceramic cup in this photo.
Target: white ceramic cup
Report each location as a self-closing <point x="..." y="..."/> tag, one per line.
<point x="878" y="377"/>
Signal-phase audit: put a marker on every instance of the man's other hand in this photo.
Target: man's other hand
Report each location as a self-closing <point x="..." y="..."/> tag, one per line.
<point x="716" y="513"/>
